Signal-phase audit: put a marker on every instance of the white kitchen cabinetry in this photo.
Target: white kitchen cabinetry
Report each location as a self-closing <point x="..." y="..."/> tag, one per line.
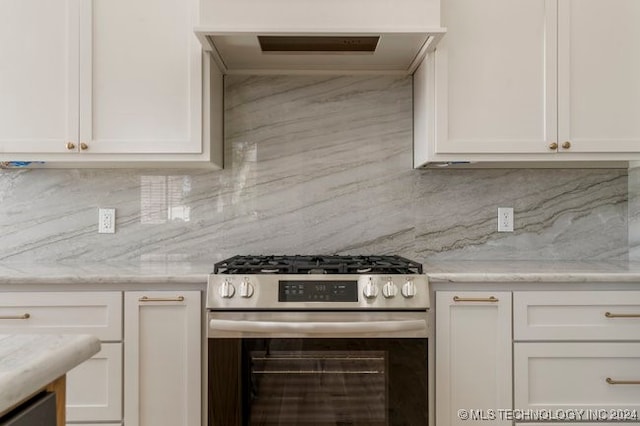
<point x="536" y="80"/>
<point x="473" y="354"/>
<point x="94" y="388"/>
<point x="162" y="361"/>
<point x="581" y="375"/>
<point x="572" y="424"/>
<point x="598" y="84"/>
<point x="116" y="82"/>
<point x="577" y="349"/>
<point x="38" y="76"/>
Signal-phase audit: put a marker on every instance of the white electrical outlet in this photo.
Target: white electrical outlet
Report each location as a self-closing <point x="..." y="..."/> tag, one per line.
<point x="106" y="221"/>
<point x="505" y="219"/>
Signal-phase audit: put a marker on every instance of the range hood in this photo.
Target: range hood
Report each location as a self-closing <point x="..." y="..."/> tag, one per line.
<point x="346" y="52"/>
<point x="344" y="36"/>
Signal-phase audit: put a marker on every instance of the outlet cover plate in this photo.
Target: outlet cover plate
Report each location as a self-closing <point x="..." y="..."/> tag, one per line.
<point x="505" y="219"/>
<point x="106" y="221"/>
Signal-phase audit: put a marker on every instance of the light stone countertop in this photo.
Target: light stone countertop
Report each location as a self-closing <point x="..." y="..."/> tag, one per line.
<point x="28" y="362"/>
<point x="532" y="271"/>
<point x="170" y="272"/>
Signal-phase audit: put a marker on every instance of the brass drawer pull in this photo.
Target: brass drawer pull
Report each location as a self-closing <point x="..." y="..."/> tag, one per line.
<point x="622" y="382"/>
<point x="23" y="316"/>
<point x="70" y="146"/>
<point x="475" y="299"/>
<point x="553" y="146"/>
<point x="610" y="315"/>
<point x="161" y="299"/>
<point x="566" y="145"/>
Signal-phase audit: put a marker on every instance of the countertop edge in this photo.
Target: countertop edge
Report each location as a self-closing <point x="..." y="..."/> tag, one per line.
<point x="512" y="277"/>
<point x="32" y="361"/>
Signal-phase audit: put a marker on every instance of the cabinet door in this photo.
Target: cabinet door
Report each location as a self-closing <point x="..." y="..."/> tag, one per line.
<point x="38" y="76"/>
<point x="599" y="69"/>
<point x="495" y="76"/>
<point x="140" y="77"/>
<point x="94" y="388"/>
<point x="581" y="376"/>
<point x="473" y="354"/>
<point x="162" y="361"/>
<point x="571" y="424"/>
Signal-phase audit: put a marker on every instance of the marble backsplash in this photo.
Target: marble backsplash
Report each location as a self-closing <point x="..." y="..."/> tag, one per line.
<point x="317" y="164"/>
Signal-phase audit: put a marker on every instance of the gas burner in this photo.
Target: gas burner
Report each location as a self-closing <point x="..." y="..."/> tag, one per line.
<point x="317" y="264"/>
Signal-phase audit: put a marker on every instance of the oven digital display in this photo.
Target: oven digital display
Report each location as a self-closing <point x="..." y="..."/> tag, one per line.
<point x="317" y="291"/>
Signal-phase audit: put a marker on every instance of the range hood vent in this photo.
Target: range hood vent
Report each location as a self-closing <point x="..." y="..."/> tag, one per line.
<point x="318" y="44"/>
<point x="240" y="52"/>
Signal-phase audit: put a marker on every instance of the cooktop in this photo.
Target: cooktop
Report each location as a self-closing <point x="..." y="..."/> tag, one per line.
<point x="317" y="264"/>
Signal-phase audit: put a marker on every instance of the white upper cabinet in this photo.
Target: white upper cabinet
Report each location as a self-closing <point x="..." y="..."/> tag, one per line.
<point x="106" y="81"/>
<point x="496" y="83"/>
<point x="38" y="75"/>
<point x="599" y="75"/>
<point x="529" y="80"/>
<point x="140" y="77"/>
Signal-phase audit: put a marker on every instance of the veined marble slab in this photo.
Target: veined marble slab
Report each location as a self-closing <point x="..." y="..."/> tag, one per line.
<point x="314" y="165"/>
<point x="28" y="362"/>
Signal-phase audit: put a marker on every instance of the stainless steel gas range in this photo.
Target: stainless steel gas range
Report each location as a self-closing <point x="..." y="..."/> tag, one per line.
<point x="317" y="340"/>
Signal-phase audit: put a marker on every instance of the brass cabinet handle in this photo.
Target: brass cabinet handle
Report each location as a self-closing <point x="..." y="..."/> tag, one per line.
<point x="18" y="317"/>
<point x="70" y="146"/>
<point x="84" y="146"/>
<point x="610" y="315"/>
<point x="475" y="299"/>
<point x="553" y="146"/>
<point x="622" y="382"/>
<point x="161" y="299"/>
<point x="566" y="145"/>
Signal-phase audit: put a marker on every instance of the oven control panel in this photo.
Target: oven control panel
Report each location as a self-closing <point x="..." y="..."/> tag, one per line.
<point x="317" y="291"/>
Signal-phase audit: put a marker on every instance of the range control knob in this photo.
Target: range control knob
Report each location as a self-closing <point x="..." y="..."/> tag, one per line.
<point x="389" y="289"/>
<point x="370" y="290"/>
<point x="246" y="289"/>
<point x="226" y="290"/>
<point x="408" y="289"/>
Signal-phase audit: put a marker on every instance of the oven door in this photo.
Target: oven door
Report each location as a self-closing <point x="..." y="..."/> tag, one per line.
<point x="317" y="368"/>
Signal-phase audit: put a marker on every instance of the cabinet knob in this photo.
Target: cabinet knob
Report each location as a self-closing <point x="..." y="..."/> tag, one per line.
<point x="71" y="145"/>
<point x="566" y="145"/>
<point x="84" y="146"/>
<point x="553" y="146"/>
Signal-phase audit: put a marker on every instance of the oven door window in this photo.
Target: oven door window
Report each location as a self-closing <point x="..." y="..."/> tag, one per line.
<point x="275" y="381"/>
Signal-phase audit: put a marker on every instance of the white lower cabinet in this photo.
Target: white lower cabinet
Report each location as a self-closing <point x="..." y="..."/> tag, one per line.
<point x="578" y="375"/>
<point x="94" y="388"/>
<point x="162" y="358"/>
<point x="150" y="376"/>
<point x="572" y="424"/>
<point x="473" y="356"/>
<point x="577" y="354"/>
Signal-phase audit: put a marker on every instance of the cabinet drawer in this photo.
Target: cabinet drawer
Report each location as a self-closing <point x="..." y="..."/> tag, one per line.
<point x="576" y="315"/>
<point x="96" y="313"/>
<point x="575" y="375"/>
<point x="571" y="424"/>
<point x="94" y="388"/>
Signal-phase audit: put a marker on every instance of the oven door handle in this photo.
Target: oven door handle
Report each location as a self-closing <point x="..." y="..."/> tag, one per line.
<point x="319" y="328"/>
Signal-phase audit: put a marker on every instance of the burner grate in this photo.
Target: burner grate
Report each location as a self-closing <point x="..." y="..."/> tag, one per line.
<point x="317" y="264"/>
